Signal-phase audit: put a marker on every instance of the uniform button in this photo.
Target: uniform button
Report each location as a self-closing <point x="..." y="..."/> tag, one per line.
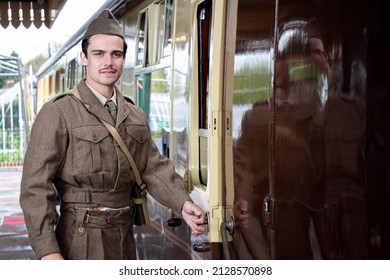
<point x="141" y="138"/>
<point x="95" y="137"/>
<point x="81" y="229"/>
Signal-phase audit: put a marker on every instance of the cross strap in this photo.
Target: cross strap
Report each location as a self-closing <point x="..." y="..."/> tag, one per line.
<point x="118" y="138"/>
<point x="122" y="144"/>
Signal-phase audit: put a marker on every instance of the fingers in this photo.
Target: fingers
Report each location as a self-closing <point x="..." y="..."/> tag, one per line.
<point x="197" y="229"/>
<point x="194" y="217"/>
<point x="199" y="226"/>
<point x="54" y="256"/>
<point x="191" y="208"/>
<point x="241" y="212"/>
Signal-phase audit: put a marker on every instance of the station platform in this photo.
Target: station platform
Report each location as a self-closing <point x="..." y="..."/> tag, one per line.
<point x="14" y="243"/>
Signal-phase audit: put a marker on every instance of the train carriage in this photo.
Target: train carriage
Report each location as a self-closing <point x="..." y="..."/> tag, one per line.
<point x="274" y="111"/>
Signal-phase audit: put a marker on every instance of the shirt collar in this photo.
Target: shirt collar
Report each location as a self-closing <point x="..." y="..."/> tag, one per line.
<point x="101" y="97"/>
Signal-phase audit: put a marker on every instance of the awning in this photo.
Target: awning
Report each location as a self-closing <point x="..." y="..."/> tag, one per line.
<point x="29" y="12"/>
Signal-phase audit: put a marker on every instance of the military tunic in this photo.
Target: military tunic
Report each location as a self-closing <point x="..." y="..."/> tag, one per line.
<point x="71" y="153"/>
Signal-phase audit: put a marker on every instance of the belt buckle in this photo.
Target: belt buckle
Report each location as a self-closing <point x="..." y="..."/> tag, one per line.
<point x="94" y="209"/>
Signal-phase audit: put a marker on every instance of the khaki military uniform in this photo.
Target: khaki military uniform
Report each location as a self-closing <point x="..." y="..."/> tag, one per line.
<point x="297" y="167"/>
<point x="72" y="153"/>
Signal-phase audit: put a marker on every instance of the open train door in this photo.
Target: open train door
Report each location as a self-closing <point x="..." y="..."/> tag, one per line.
<point x="209" y="118"/>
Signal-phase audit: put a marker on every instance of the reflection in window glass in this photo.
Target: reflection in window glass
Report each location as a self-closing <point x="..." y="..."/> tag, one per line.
<point x="204" y="25"/>
<point x="161" y="26"/>
<point x="155" y="33"/>
<point x="153" y="96"/>
<point x="168" y="28"/>
<point x="127" y="79"/>
<point x="141" y="39"/>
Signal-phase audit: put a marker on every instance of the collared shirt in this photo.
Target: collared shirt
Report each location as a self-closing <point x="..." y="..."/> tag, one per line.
<point x="101" y="97"/>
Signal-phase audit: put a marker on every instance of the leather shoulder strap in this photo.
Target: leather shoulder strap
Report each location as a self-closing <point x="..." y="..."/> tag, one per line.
<point x="122" y="144"/>
<point x="118" y="139"/>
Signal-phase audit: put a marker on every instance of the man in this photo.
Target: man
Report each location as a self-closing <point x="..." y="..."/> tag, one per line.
<point x="71" y="150"/>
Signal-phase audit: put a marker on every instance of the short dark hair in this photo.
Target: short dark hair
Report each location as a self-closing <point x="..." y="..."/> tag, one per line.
<point x="85" y="44"/>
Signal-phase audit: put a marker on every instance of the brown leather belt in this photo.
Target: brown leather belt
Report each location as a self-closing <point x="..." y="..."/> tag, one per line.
<point x="105" y="209"/>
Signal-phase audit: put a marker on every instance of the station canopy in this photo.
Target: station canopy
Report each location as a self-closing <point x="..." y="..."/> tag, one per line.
<point x="29" y="13"/>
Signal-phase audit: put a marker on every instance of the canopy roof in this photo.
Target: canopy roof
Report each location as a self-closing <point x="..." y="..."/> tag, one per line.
<point x="29" y="12"/>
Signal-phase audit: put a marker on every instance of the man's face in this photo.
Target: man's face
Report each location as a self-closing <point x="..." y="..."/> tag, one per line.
<point x="104" y="62"/>
<point x="298" y="74"/>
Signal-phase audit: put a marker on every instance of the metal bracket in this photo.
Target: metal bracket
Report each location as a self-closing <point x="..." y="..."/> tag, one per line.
<point x="188" y="181"/>
<point x="268" y="211"/>
<point x="227" y="227"/>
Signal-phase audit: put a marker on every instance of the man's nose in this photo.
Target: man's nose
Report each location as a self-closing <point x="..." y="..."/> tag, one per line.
<point x="108" y="60"/>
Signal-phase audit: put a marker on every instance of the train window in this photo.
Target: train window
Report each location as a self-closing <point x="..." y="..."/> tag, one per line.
<point x="58" y="86"/>
<point x="141" y="57"/>
<point x="83" y="72"/>
<point x="154" y="99"/>
<point x="167" y="46"/>
<point x="71" y="74"/>
<point x="155" y="33"/>
<point x="57" y="82"/>
<point x="152" y="69"/>
<point x="204" y="20"/>
<point x="204" y="53"/>
<point x="51" y="85"/>
<point x="63" y="82"/>
<point x="127" y="80"/>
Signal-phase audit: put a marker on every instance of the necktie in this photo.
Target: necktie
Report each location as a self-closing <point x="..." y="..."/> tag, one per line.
<point x="110" y="105"/>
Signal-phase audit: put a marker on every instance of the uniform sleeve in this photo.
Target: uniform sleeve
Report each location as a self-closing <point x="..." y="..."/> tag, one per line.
<point x="163" y="183"/>
<point x="45" y="152"/>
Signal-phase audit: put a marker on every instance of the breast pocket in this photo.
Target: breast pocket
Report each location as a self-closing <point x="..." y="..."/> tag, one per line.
<point x="92" y="147"/>
<point x="138" y="142"/>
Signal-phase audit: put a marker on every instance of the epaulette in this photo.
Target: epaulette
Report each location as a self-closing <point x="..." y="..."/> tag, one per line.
<point x="59" y="96"/>
<point x="128" y="99"/>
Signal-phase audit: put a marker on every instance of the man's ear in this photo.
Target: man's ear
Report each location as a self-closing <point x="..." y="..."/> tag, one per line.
<point x="83" y="59"/>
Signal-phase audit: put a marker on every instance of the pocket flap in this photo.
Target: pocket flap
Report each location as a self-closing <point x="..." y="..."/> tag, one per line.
<point x="92" y="134"/>
<point x="138" y="132"/>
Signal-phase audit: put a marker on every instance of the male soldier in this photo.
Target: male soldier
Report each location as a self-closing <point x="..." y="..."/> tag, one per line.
<point x="71" y="150"/>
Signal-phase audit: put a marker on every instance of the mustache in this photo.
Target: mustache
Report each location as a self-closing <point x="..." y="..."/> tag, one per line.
<point x="109" y="68"/>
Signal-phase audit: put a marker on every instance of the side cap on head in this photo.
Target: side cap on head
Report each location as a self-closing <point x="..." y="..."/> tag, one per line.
<point x="105" y="23"/>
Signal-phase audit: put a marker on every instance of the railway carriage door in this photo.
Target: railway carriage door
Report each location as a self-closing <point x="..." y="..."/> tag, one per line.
<point x="249" y="88"/>
<point x="317" y="199"/>
<point x="306" y="121"/>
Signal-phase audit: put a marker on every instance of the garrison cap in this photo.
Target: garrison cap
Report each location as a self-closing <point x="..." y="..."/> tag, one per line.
<point x="105" y="23"/>
<point x="312" y="30"/>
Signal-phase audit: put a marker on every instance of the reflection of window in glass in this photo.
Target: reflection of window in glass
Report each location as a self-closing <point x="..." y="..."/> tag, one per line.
<point x="161" y="26"/>
<point x="155" y="33"/>
<point x="168" y="28"/>
<point x="204" y="23"/>
<point x="127" y="80"/>
<point x="154" y="99"/>
<point x="153" y="23"/>
<point x="141" y="55"/>
<point x="159" y="20"/>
